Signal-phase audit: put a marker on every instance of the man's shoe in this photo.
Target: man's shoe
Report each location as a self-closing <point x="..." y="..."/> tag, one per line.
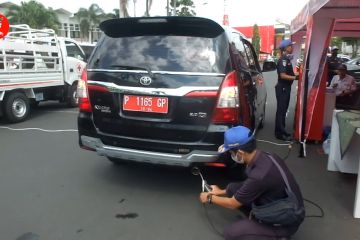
<point x="287" y="134"/>
<point x="283" y="137"/>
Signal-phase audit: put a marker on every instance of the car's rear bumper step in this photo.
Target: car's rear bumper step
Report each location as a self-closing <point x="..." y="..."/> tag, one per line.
<point x="147" y="156"/>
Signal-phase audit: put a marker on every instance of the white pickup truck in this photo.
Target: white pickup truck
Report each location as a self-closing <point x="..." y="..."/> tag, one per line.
<point x="36" y="65"/>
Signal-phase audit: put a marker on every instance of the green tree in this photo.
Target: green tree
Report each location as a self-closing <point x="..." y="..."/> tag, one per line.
<point x="34" y="14"/>
<point x="116" y="12"/>
<point x="183" y="7"/>
<point x="256" y="39"/>
<point x="89" y="19"/>
<point x="354" y="42"/>
<point x="336" y="41"/>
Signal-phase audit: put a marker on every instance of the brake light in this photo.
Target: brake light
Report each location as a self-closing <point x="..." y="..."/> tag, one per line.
<point x="227" y="109"/>
<point x="82" y="92"/>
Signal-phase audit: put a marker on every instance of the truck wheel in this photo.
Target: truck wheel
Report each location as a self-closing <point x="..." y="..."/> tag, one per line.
<point x="16" y="107"/>
<point x="73" y="100"/>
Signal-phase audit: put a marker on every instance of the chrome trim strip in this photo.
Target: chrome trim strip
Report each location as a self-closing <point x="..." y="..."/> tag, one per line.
<point x="143" y="152"/>
<point x="160" y="72"/>
<point x="178" y="92"/>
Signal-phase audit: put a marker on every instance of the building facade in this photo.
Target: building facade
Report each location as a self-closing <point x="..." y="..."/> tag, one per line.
<point x="69" y="25"/>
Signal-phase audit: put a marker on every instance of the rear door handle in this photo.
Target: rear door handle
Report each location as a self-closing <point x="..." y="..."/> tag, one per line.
<point x="71" y="70"/>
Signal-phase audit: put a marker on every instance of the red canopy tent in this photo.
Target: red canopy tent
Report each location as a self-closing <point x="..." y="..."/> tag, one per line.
<point x="318" y="21"/>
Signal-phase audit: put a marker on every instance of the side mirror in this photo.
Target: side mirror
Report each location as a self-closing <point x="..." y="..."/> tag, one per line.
<point x="269" y="66"/>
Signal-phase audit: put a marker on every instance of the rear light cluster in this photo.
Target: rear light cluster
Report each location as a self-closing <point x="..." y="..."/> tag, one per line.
<point x="228" y="109"/>
<point x="82" y="93"/>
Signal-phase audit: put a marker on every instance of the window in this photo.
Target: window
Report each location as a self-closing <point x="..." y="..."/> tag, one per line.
<point x="74" y="51"/>
<point x="242" y="59"/>
<point x="75" y="34"/>
<point x="250" y="56"/>
<point x="164" y="53"/>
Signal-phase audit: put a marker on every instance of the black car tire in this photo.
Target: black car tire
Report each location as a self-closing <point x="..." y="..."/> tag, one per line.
<point x="16" y="107"/>
<point x="73" y="100"/>
<point x="262" y="122"/>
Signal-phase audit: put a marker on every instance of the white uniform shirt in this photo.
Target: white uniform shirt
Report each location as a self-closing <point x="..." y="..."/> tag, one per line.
<point x="344" y="85"/>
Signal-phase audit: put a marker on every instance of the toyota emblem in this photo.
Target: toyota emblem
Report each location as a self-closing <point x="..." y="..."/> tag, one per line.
<point x="145" y="80"/>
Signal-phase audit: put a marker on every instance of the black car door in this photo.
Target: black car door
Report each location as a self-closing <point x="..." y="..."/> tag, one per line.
<point x="257" y="89"/>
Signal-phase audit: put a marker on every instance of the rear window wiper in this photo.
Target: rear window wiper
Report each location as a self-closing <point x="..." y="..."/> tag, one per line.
<point x="127" y="67"/>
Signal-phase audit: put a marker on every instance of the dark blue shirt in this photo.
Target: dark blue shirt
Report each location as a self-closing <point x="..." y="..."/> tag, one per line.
<point x="264" y="183"/>
<point x="284" y="66"/>
<point x="333" y="64"/>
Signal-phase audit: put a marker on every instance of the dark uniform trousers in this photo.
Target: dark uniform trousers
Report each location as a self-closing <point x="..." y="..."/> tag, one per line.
<point x="282" y="92"/>
<point x="246" y="229"/>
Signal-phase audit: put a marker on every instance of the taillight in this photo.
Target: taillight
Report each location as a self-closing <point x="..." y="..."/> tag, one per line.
<point x="82" y="92"/>
<point x="227" y="108"/>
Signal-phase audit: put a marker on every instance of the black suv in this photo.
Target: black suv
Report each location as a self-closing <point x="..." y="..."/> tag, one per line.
<point x="163" y="90"/>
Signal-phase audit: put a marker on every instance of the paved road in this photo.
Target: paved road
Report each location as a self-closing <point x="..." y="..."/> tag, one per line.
<point x="52" y="190"/>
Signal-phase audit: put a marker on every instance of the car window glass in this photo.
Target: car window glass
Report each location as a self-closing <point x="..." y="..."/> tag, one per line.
<point x="87" y="49"/>
<point x="163" y="53"/>
<point x="242" y="59"/>
<point x="73" y="50"/>
<point x="250" y="56"/>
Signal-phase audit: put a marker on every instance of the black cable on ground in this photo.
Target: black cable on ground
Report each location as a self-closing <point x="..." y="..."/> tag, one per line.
<point x="210" y="222"/>
<point x="322" y="214"/>
<point x="288" y="144"/>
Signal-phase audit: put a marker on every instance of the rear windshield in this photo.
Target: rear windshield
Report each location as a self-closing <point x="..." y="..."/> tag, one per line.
<point x="163" y="53"/>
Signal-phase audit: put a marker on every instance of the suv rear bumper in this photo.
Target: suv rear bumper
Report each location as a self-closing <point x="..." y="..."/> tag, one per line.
<point x="184" y="160"/>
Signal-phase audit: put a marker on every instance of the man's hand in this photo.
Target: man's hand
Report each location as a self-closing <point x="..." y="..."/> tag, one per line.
<point x="296" y="76"/>
<point x="217" y="191"/>
<point x="204" y="197"/>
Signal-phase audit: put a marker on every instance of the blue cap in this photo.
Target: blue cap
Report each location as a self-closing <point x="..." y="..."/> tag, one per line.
<point x="285" y="43"/>
<point x="234" y="138"/>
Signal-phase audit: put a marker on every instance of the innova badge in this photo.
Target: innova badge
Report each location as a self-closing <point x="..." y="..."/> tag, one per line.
<point x="145" y="80"/>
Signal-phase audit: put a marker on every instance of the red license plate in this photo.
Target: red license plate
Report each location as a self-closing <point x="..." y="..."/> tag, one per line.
<point x="145" y="104"/>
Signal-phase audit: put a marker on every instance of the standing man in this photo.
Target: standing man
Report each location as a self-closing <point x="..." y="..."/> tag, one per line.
<point x="333" y="63"/>
<point x="286" y="76"/>
<point x="264" y="184"/>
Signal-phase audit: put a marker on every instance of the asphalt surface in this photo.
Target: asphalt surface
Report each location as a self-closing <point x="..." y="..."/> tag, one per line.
<point x="52" y="190"/>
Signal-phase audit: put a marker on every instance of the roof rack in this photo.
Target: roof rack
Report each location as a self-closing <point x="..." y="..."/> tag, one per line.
<point x="24" y="31"/>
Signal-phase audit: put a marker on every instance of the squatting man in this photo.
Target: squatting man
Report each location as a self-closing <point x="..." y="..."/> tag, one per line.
<point x="264" y="184"/>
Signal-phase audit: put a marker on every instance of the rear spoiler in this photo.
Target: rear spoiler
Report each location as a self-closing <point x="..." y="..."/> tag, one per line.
<point x="147" y="26"/>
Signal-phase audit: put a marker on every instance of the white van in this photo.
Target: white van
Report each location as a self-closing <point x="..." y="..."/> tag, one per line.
<point x="36" y="65"/>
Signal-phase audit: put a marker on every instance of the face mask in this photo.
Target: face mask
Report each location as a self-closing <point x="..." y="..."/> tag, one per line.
<point x="235" y="159"/>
